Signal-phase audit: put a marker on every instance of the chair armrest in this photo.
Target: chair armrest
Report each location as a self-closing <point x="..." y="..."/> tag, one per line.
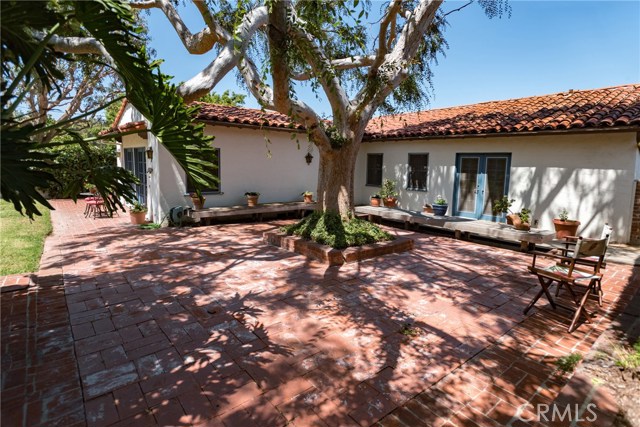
<point x="547" y="255"/>
<point x="550" y="255"/>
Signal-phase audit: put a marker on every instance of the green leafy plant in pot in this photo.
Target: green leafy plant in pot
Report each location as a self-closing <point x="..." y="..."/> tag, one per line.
<point x="520" y="220"/>
<point x="138" y="212"/>
<point x="389" y="193"/>
<point x="307" y="196"/>
<point x="440" y="206"/>
<point x="564" y="226"/>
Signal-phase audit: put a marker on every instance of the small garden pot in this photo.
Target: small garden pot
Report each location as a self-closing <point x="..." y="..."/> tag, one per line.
<point x="252" y="201"/>
<point x="565" y="228"/>
<point x="138" y="217"/>
<point x="440" y="210"/>
<point x="427" y="209"/>
<point x="390" y="202"/>
<point x="308" y="199"/>
<point x="512" y="219"/>
<point x="523" y="226"/>
<point x="197" y="205"/>
<point x="375" y="201"/>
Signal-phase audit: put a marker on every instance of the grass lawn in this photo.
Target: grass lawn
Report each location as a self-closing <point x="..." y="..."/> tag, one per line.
<point x="21" y="240"/>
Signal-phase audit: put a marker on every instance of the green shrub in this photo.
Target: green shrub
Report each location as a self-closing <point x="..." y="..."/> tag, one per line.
<point x="569" y="363"/>
<point x="76" y="165"/>
<point x="629" y="359"/>
<point x="327" y="228"/>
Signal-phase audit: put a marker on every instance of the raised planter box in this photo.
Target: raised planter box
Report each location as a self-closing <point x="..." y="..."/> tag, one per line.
<point x="328" y="255"/>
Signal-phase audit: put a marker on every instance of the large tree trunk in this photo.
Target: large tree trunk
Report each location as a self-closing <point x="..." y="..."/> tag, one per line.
<point x="335" y="179"/>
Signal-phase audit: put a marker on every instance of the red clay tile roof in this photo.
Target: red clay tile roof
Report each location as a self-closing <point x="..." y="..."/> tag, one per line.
<point x="244" y="116"/>
<point x="125" y="127"/>
<point x="585" y="109"/>
<point x="573" y="110"/>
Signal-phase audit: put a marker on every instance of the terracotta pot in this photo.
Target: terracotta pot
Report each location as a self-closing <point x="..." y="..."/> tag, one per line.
<point x="523" y="226"/>
<point x="308" y="199"/>
<point x="138" y="217"/>
<point x="513" y="219"/>
<point x="374" y="201"/>
<point x="196" y="203"/>
<point x="390" y="202"/>
<point x="252" y="201"/>
<point x="565" y="228"/>
<point x="440" y="210"/>
<point x="427" y="209"/>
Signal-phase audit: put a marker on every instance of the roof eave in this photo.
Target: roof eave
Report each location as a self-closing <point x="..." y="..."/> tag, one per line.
<point x="502" y="134"/>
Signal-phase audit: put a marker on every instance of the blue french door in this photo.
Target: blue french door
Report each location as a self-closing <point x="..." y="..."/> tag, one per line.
<point x="480" y="179"/>
<point x="136" y="163"/>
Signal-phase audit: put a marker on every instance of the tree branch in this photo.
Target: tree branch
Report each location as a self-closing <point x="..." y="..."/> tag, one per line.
<point x="341" y="64"/>
<point x="148" y="4"/>
<point x="300" y="111"/>
<point x="459" y="9"/>
<point x="197" y="44"/>
<point x="227" y="59"/>
<point x="389" y="18"/>
<point x="395" y="66"/>
<point x="79" y="45"/>
<point x="323" y="71"/>
<point x="278" y="37"/>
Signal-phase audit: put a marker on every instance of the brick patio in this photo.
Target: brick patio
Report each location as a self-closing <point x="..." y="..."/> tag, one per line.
<point x="210" y="326"/>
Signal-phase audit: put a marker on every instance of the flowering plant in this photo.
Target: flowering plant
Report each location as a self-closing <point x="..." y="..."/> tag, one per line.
<point x="440" y="200"/>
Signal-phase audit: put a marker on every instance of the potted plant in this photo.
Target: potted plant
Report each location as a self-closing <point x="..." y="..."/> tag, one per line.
<point x="565" y="226"/>
<point x="389" y="194"/>
<point x="520" y="220"/>
<point x="91" y="188"/>
<point x="504" y="206"/>
<point x="440" y="206"/>
<point x="198" y="201"/>
<point x="252" y="198"/>
<point x="524" y="220"/>
<point x="375" y="200"/>
<point x="138" y="211"/>
<point x="427" y="208"/>
<point x="307" y="196"/>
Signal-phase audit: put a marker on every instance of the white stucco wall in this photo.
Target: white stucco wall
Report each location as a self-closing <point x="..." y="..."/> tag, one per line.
<point x="590" y="174"/>
<point x="265" y="161"/>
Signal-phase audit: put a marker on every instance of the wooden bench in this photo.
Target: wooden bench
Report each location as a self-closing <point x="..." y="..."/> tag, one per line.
<point x="461" y="227"/>
<point x="207" y="215"/>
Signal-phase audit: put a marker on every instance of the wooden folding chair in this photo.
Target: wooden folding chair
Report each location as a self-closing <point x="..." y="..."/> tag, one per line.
<point x="566" y="246"/>
<point x="572" y="272"/>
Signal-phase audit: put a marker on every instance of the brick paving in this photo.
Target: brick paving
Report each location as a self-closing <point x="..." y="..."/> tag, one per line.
<point x="210" y="326"/>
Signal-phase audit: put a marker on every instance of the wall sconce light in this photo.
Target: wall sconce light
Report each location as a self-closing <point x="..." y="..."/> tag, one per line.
<point x="308" y="158"/>
<point x="149" y="153"/>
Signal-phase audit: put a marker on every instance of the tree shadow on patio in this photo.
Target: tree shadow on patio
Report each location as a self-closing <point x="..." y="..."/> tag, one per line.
<point x="213" y="323"/>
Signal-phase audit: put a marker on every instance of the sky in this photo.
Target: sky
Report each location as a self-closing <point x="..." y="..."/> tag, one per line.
<point x="544" y="47"/>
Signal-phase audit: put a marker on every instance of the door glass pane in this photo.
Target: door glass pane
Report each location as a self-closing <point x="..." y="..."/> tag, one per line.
<point x="141" y="174"/>
<point x="468" y="184"/>
<point x="135" y="162"/>
<point x="494" y="182"/>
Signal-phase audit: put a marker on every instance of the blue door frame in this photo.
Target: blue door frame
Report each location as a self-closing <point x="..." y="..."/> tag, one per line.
<point x="480" y="179"/>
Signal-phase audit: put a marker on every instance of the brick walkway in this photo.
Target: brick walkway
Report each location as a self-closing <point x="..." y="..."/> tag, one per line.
<point x="210" y="326"/>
